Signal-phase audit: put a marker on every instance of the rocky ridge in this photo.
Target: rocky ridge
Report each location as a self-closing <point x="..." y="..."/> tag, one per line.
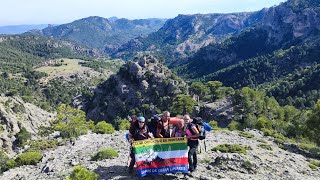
<point x="259" y="163"/>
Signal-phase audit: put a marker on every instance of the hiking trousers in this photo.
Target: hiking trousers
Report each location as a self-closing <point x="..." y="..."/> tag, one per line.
<point x="192" y="154"/>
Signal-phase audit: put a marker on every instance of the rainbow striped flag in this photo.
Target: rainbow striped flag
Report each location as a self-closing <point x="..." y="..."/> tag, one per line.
<point x="161" y="156"/>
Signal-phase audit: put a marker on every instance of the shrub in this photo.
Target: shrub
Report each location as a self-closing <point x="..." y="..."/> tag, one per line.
<point x="43" y="144"/>
<point x="265" y="146"/>
<point x="29" y="158"/>
<point x="312" y="166"/>
<point x="27" y="98"/>
<point x="104" y="128"/>
<point x="316" y="163"/>
<point x="247" y="164"/>
<point x="122" y="124"/>
<point x="106" y="153"/>
<point x="90" y="125"/>
<point x="3" y="160"/>
<point x="267" y="132"/>
<point x="45" y="131"/>
<point x="230" y="148"/>
<point x="214" y="125"/>
<point x="234" y="125"/>
<point x="262" y="141"/>
<point x="23" y="137"/>
<point x="70" y="122"/>
<point x="80" y="173"/>
<point x="246" y="134"/>
<point x="312" y="148"/>
<point x="11" y="163"/>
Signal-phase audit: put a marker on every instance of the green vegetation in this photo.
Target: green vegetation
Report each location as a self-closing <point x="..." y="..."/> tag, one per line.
<point x="70" y="122"/>
<point x="312" y="166"/>
<point x="246" y="134"/>
<point x="247" y="165"/>
<point x="316" y="163"/>
<point x="230" y="148"/>
<point x="122" y="124"/>
<point x="106" y="153"/>
<point x="234" y="125"/>
<point x="3" y="160"/>
<point x="28" y="158"/>
<point x="214" y="125"/>
<point x="183" y="104"/>
<point x="311" y="147"/>
<point x="80" y="173"/>
<point x="313" y="124"/>
<point x="210" y="91"/>
<point x="102" y="65"/>
<point x="103" y="128"/>
<point x="43" y="145"/>
<point x="23" y="136"/>
<point x="265" y="146"/>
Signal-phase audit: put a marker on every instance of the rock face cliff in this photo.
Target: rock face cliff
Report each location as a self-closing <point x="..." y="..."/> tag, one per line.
<point x="185" y="34"/>
<point x="16" y="114"/>
<point x="293" y="23"/>
<point x="141" y="86"/>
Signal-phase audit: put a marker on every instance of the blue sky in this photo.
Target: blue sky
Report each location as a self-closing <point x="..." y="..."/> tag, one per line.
<point x="15" y="12"/>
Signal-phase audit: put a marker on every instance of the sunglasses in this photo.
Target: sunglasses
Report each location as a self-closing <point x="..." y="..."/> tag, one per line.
<point x="141" y="122"/>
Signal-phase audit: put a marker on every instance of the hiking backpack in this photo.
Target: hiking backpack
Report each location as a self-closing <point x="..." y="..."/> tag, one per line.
<point x="198" y="122"/>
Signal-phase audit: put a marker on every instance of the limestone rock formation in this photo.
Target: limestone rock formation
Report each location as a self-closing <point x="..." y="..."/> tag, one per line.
<point x="16" y="114"/>
<point x="143" y="81"/>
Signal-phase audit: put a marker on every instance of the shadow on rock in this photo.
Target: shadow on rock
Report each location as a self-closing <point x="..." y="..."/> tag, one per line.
<point x="295" y="149"/>
<point x="121" y="172"/>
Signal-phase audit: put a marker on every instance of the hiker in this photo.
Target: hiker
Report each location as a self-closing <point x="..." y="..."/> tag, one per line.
<point x="152" y="125"/>
<point x="163" y="126"/>
<point x="139" y="131"/>
<point x="179" y="130"/>
<point x="192" y="134"/>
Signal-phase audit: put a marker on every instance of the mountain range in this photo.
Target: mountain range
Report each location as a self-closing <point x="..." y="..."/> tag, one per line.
<point x="102" y="33"/>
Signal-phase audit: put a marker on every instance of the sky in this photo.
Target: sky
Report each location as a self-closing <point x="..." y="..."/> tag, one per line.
<point x="17" y="12"/>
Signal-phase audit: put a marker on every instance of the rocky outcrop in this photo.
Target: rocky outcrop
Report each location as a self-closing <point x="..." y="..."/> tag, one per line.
<point x="143" y="81"/>
<point x="16" y="114"/>
<point x="220" y="111"/>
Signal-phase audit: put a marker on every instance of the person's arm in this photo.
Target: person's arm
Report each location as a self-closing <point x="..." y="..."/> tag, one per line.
<point x="150" y="135"/>
<point x="195" y="131"/>
<point x="159" y="127"/>
<point x="173" y="132"/>
<point x="131" y="132"/>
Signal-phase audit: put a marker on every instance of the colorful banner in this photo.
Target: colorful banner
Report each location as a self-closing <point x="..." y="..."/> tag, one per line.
<point x="161" y="156"/>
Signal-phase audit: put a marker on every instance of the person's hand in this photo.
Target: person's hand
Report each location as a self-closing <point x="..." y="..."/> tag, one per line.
<point x="130" y="141"/>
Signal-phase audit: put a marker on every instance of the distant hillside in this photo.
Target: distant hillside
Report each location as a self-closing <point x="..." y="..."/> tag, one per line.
<point x="19" y="29"/>
<point x="284" y="42"/>
<point x="102" y="33"/>
<point x="19" y="52"/>
<point x="186" y="34"/>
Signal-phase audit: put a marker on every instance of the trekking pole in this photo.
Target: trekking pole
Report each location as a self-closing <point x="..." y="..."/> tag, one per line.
<point x="205" y="146"/>
<point x="128" y="162"/>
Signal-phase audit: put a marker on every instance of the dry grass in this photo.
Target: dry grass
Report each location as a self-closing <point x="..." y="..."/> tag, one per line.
<point x="69" y="66"/>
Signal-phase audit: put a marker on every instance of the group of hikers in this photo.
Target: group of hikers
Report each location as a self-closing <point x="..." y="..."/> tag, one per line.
<point x="159" y="127"/>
